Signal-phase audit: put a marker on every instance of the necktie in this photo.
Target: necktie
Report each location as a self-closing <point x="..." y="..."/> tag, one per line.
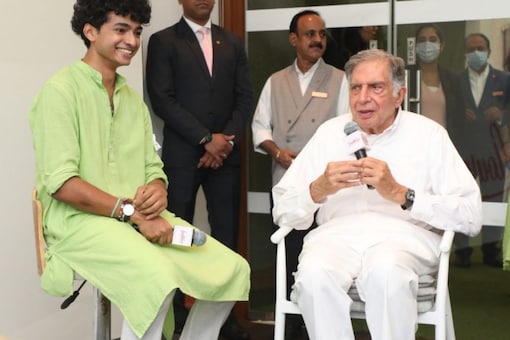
<point x="205" y="43"/>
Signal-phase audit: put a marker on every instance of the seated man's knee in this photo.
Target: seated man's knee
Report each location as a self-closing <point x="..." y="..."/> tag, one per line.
<point x="312" y="277"/>
<point x="389" y="278"/>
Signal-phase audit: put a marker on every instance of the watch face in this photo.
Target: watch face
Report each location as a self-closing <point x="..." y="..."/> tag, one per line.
<point x="410" y="195"/>
<point x="128" y="209"/>
<point x="409" y="199"/>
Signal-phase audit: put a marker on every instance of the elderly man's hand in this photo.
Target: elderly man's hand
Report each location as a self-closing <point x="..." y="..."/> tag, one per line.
<point x="338" y="175"/>
<point x="377" y="173"/>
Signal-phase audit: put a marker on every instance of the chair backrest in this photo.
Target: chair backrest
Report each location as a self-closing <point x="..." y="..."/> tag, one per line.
<point x="40" y="245"/>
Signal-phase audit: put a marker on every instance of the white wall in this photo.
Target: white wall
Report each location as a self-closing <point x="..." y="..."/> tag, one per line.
<point x="37" y="41"/>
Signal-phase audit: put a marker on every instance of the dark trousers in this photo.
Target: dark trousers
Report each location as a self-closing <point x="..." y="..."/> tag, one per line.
<point x="222" y="193"/>
<point x="491" y="235"/>
<point x="293" y="246"/>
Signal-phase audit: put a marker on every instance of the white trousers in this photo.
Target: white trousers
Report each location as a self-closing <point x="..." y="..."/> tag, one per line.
<point x="204" y="321"/>
<point x="385" y="264"/>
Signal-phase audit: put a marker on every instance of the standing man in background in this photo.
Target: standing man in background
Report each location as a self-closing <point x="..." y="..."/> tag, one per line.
<point x="485" y="142"/>
<point x="198" y="83"/>
<point x="293" y="103"/>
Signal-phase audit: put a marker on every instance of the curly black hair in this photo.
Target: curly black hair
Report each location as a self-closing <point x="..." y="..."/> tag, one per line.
<point x="95" y="12"/>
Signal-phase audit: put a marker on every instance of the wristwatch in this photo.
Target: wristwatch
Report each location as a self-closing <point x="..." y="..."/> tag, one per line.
<point x="207" y="138"/>
<point x="127" y="209"/>
<point x="409" y="199"/>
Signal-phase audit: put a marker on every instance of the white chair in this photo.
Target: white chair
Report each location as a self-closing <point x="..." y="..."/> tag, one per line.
<point x="102" y="311"/>
<point x="433" y="297"/>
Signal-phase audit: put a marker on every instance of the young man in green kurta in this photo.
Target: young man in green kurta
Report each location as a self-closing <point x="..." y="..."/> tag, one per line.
<point x="94" y="150"/>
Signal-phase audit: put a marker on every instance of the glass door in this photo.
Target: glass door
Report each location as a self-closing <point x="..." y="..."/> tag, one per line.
<point x="457" y="54"/>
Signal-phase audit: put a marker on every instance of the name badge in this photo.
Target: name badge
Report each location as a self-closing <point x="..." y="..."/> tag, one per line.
<point x="319" y="94"/>
<point x="497" y="93"/>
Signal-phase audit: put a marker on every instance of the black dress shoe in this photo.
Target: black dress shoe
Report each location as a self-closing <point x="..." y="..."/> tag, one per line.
<point x="493" y="261"/>
<point x="232" y="330"/>
<point x="462" y="261"/>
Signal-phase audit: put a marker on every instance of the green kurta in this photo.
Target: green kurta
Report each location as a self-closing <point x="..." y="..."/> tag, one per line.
<point x="75" y="134"/>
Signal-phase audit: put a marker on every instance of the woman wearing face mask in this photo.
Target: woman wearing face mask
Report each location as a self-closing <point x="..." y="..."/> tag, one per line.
<point x="440" y="95"/>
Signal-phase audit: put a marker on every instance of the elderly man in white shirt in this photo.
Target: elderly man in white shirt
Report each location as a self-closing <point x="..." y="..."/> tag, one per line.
<point x="385" y="238"/>
<point x="294" y="102"/>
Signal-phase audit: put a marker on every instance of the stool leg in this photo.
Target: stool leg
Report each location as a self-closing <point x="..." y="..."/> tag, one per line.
<point x="102" y="316"/>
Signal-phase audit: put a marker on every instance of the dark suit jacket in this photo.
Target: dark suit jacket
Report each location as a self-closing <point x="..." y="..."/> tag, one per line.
<point x="454" y="102"/>
<point x="190" y="101"/>
<point x="482" y="137"/>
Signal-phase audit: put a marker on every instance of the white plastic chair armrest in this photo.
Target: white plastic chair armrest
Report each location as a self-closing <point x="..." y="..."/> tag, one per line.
<point x="446" y="241"/>
<point x="280" y="234"/>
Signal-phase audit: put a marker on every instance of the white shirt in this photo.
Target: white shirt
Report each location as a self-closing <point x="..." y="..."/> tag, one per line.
<point x="305" y="78"/>
<point x="261" y="124"/>
<point x="477" y="82"/>
<point x="420" y="156"/>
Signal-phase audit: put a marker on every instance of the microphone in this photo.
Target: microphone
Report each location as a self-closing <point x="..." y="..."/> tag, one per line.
<point x="356" y="142"/>
<point x="184" y="236"/>
<point x="199" y="237"/>
<point x="188" y="236"/>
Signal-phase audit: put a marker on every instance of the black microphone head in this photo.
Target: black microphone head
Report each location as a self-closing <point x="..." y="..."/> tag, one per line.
<point x="351" y="127"/>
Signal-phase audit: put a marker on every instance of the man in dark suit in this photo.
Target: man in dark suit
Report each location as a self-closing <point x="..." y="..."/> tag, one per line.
<point x="485" y="146"/>
<point x="205" y="105"/>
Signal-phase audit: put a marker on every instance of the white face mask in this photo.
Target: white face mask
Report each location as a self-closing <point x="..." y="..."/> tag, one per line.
<point x="428" y="51"/>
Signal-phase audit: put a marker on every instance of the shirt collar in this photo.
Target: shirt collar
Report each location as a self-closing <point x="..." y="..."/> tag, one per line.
<point x="374" y="138"/>
<point x="195" y="27"/>
<point x="120" y="81"/>
<point x="475" y="75"/>
<point x="310" y="71"/>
